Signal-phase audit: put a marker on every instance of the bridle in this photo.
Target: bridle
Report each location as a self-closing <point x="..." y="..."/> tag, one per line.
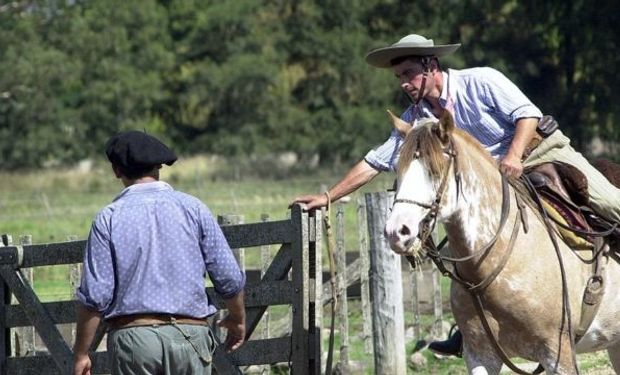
<point x="427" y="224"/>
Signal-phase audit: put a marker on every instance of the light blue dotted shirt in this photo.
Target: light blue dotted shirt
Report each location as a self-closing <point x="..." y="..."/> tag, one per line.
<point x="149" y="251"/>
<point x="483" y="101"/>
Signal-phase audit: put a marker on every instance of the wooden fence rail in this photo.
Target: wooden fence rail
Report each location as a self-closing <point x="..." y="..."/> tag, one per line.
<point x="299" y="254"/>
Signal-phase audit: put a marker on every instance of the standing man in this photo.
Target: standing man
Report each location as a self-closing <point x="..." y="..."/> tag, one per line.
<point x="144" y="271"/>
<point x="484" y="103"/>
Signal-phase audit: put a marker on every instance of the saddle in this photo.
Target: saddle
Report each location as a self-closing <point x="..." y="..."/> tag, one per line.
<point x="564" y="192"/>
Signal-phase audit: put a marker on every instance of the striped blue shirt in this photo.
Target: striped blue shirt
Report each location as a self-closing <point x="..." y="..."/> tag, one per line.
<point x="149" y="251"/>
<point x="485" y="103"/>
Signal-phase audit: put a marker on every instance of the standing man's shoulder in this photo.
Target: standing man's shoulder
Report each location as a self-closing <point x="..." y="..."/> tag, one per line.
<point x="104" y="216"/>
<point x="191" y="202"/>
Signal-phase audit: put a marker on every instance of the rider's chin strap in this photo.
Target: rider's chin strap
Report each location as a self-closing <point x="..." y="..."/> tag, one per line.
<point x="426" y="65"/>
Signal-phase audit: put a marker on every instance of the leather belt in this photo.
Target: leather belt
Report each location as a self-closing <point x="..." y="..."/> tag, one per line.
<point x="137" y="320"/>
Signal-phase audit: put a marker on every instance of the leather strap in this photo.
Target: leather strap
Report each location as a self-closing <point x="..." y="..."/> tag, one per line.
<point x="137" y="320"/>
<point x="498" y="349"/>
<point x="593" y="294"/>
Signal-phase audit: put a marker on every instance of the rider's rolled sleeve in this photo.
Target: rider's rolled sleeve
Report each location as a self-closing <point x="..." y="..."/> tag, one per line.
<point x="506" y="97"/>
<point x="385" y="157"/>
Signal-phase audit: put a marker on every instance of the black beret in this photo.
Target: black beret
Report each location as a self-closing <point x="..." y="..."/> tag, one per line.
<point x="134" y="149"/>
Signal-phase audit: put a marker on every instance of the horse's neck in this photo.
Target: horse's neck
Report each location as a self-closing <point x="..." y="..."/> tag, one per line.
<point x="476" y="219"/>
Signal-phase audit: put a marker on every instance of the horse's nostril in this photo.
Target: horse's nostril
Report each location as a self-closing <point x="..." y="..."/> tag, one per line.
<point x="404" y="231"/>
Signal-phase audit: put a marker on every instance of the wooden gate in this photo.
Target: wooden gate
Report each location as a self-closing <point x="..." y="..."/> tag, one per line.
<point x="299" y="256"/>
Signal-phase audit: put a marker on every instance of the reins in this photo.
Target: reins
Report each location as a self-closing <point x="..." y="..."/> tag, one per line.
<point x="566" y="310"/>
<point x="594" y="289"/>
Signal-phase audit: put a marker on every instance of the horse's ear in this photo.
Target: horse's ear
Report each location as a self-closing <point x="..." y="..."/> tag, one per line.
<point x="446" y="126"/>
<point x="401" y="126"/>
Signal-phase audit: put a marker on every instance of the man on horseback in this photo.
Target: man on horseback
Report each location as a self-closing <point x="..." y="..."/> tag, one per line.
<point x="484" y="103"/>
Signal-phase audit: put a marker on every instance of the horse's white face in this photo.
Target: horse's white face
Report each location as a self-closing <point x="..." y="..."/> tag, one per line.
<point x="415" y="184"/>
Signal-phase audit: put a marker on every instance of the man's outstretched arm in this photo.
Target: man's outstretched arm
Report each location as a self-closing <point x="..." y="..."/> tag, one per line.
<point x="359" y="175"/>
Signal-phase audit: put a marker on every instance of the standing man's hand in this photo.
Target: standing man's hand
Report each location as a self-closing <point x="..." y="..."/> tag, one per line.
<point x="236" y="332"/>
<point x="234" y="322"/>
<point x="311" y="201"/>
<point x="87" y="323"/>
<point x="82" y="364"/>
<point x="511" y="166"/>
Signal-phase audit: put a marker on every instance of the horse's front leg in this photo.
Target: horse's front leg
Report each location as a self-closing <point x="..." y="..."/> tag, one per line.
<point x="558" y="358"/>
<point x="480" y="356"/>
<point x="478" y="352"/>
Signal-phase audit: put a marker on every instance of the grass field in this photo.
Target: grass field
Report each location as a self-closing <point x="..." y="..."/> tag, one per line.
<point x="54" y="205"/>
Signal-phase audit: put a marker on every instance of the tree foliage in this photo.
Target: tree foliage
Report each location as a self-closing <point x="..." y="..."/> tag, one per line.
<point x="251" y="77"/>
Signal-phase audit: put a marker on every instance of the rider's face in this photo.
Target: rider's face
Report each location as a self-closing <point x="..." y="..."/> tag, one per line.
<point x="409" y="73"/>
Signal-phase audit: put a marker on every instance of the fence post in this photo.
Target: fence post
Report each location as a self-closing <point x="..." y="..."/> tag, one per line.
<point x="418" y="280"/>
<point x="385" y="290"/>
<point x="265" y="260"/>
<point x="341" y="292"/>
<point x="234" y="220"/>
<point x="315" y="295"/>
<point x="364" y="271"/>
<point x="75" y="277"/>
<point x="23" y="338"/>
<point x="300" y="274"/>
<point x="5" y="299"/>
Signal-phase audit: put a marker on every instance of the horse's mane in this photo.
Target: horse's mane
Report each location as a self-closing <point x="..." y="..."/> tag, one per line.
<point x="424" y="143"/>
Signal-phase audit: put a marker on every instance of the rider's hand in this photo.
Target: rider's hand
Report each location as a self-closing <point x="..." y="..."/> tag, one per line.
<point x="311" y="201"/>
<point x="511" y="166"/>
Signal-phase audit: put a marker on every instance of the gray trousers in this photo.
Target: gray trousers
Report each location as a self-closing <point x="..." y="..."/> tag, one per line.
<point x="604" y="197"/>
<point x="179" y="349"/>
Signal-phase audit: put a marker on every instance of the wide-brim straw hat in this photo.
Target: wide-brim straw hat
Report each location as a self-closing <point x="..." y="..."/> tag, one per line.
<point x="411" y="45"/>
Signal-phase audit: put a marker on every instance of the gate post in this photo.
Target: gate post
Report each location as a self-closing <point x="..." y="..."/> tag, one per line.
<point x="5" y="299"/>
<point x="306" y="335"/>
<point x="386" y="291"/>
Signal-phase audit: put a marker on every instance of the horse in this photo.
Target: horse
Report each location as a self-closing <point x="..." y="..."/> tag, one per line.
<point x="514" y="293"/>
